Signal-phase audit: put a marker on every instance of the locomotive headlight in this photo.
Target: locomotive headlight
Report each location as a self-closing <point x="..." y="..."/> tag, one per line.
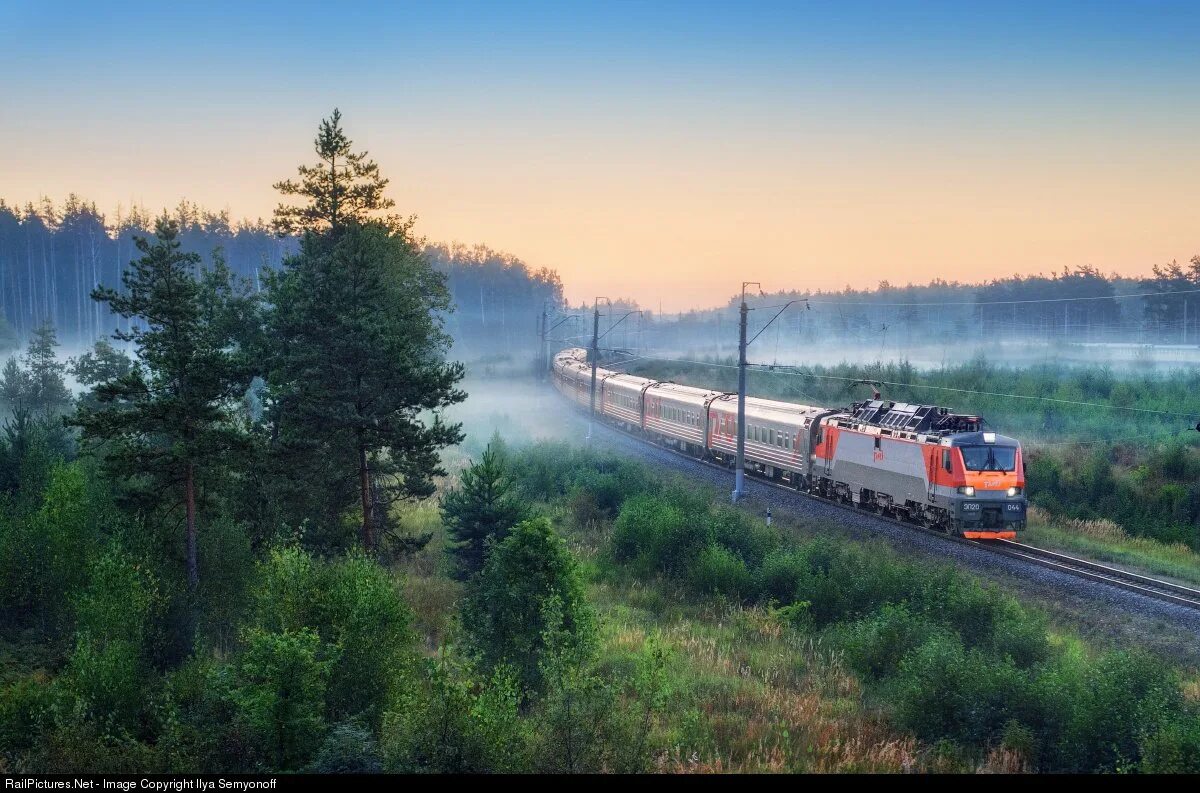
<point x="966" y="491"/>
<point x="1014" y="492"/>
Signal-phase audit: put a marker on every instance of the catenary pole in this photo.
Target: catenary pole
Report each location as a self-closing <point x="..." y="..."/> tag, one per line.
<point x="739" y="475"/>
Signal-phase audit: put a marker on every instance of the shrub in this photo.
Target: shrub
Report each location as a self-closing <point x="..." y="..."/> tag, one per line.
<point x="944" y="690"/>
<point x="453" y="722"/>
<point x="107" y="670"/>
<point x="719" y="571"/>
<point x="25" y="706"/>
<point x="348" y="749"/>
<point x="277" y="687"/>
<point x="287" y="590"/>
<point x="782" y="574"/>
<point x="1125" y="696"/>
<point x="874" y="646"/>
<point x="364" y="614"/>
<point x="1174" y="748"/>
<point x="530" y="584"/>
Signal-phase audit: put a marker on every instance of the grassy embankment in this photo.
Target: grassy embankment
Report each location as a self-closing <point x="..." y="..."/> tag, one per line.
<point x="811" y="654"/>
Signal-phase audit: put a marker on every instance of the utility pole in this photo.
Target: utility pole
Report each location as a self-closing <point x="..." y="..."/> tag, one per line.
<point x="595" y="356"/>
<point x="542" y="363"/>
<point x="739" y="476"/>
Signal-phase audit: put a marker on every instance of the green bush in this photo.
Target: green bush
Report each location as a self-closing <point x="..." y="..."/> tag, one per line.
<point x="364" y="614"/>
<point x="1174" y="748"/>
<point x="348" y="749"/>
<point x="1124" y="696"/>
<point x="782" y="573"/>
<point x="719" y="571"/>
<point x="943" y="690"/>
<point x="874" y="646"/>
<point x="530" y="584"/>
<point x="453" y="722"/>
<point x="25" y="709"/>
<point x="277" y="687"/>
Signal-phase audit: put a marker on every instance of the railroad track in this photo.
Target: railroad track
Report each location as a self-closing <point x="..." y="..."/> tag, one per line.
<point x="1095" y="571"/>
<point x="1147" y="586"/>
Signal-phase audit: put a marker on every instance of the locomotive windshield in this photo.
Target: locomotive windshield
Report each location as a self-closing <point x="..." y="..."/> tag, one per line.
<point x="989" y="458"/>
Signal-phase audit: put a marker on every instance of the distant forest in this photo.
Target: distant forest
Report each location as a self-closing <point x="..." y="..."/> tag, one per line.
<point x="1081" y="305"/>
<point x="53" y="256"/>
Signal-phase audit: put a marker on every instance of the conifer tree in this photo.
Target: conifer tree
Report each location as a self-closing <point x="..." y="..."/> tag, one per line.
<point x="169" y="417"/>
<point x="357" y="372"/>
<point x="481" y="511"/>
<point x="101" y="364"/>
<point x="48" y="395"/>
<point x="343" y="188"/>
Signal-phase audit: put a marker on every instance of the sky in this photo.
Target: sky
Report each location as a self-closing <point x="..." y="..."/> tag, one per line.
<point x="660" y="151"/>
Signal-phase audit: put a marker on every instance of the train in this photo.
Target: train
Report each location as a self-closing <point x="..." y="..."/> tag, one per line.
<point x="918" y="463"/>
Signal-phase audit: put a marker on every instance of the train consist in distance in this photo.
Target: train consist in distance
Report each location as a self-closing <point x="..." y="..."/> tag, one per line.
<point x="919" y="463"/>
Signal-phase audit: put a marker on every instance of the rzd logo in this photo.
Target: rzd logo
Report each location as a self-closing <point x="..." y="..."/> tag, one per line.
<point x="878" y="455"/>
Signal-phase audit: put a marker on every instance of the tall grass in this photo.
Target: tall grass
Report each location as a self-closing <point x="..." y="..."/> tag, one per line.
<point x="946" y="660"/>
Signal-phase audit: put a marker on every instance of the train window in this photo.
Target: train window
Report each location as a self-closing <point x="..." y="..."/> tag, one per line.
<point x="946" y="461"/>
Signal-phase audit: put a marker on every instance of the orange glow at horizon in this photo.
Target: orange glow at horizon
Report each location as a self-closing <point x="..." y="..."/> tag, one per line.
<point x="678" y="222"/>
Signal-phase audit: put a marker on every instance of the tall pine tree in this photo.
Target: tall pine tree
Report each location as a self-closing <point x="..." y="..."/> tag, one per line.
<point x="357" y="374"/>
<point x="171" y="415"/>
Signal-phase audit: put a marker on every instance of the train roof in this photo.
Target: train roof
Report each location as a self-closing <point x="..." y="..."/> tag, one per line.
<point x="684" y="392"/>
<point x="628" y="380"/>
<point x="779" y="411"/>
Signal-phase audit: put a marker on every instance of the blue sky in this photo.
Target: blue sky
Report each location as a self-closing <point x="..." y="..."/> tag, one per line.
<point x="547" y="129"/>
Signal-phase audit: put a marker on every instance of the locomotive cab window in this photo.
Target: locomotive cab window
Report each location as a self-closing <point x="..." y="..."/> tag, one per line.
<point x="946" y="461"/>
<point x="990" y="458"/>
<point x="878" y="442"/>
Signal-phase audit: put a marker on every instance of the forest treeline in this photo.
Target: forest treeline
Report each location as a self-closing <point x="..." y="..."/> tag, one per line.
<point x="53" y="255"/>
<point x="1076" y="305"/>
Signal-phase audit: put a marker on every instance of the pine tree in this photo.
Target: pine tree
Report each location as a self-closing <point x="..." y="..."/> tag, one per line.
<point x="48" y="395"/>
<point x="343" y="188"/>
<point x="481" y="511"/>
<point x="357" y="372"/>
<point x="170" y="416"/>
<point x="15" y="388"/>
<point x="103" y="363"/>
